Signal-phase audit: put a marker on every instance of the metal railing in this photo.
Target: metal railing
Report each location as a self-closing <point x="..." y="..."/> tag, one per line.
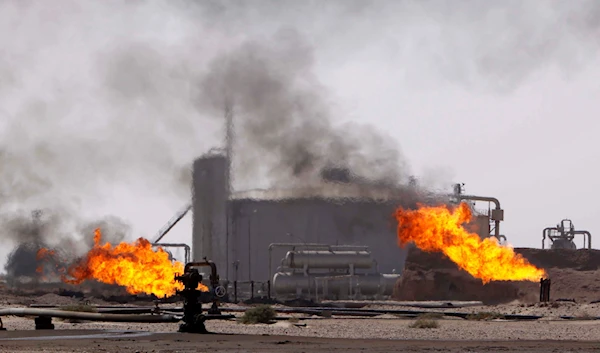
<point x="244" y="290"/>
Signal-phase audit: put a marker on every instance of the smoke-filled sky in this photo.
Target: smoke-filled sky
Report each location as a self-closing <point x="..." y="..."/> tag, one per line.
<point x="104" y="104"/>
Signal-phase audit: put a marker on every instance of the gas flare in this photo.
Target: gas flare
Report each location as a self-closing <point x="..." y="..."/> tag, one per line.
<point x="135" y="266"/>
<point x="438" y="229"/>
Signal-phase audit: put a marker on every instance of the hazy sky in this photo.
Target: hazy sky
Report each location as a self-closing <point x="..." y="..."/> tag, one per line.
<point x="99" y="114"/>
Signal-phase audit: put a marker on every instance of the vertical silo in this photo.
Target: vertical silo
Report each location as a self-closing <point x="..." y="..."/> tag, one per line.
<point x="210" y="197"/>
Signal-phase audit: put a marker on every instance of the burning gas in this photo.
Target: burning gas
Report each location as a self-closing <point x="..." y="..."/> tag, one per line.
<point x="439" y="229"/>
<point x="135" y="266"/>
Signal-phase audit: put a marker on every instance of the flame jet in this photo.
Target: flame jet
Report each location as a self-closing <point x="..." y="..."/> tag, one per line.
<point x="135" y="266"/>
<point x="439" y="229"/>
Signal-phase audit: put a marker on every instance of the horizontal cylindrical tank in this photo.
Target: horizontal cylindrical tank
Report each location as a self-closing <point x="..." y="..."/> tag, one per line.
<point x="369" y="284"/>
<point x="328" y="259"/>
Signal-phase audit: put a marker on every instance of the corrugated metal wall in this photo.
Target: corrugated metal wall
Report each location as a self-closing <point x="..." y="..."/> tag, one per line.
<point x="256" y="224"/>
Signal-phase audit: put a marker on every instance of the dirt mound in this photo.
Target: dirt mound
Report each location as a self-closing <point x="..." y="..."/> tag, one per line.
<point x="448" y="284"/>
<point x="581" y="260"/>
<point x="575" y="275"/>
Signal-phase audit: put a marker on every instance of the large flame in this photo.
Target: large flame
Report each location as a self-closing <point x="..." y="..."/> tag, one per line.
<point x="437" y="229"/>
<point x="135" y="266"/>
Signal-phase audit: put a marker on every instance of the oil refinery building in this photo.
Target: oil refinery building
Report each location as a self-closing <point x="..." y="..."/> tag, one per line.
<point x="250" y="235"/>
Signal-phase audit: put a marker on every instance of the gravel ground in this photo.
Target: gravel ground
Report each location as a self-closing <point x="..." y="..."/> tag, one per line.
<point x="552" y="310"/>
<point x="382" y="327"/>
<point x="347" y="334"/>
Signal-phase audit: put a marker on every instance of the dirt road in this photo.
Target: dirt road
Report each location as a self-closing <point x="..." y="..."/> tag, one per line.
<point x="107" y="342"/>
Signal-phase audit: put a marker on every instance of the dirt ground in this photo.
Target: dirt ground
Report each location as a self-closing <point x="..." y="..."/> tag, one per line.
<point x="169" y="342"/>
<point x="383" y="334"/>
<point x="306" y="333"/>
<point x="575" y="274"/>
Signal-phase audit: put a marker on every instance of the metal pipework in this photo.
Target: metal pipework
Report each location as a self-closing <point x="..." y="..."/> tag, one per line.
<point x="497" y="214"/>
<point x="328" y="259"/>
<point x="587" y="234"/>
<point x="214" y="277"/>
<point x="172" y="222"/>
<point x="186" y="248"/>
<point x="544" y="290"/>
<point x="547" y="229"/>
<point x="88" y="316"/>
<point x="567" y="235"/>
<point x="193" y="319"/>
<point x="43" y="320"/>
<point x="216" y="290"/>
<point x="315" y="246"/>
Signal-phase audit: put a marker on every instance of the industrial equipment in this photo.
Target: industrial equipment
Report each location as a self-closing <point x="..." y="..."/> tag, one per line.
<point x="193" y="319"/>
<point x="545" y="290"/>
<point x="321" y="271"/>
<point x="185" y="247"/>
<point x="561" y="236"/>
<point x="494" y="216"/>
<point x="171" y="223"/>
<point x="166" y="228"/>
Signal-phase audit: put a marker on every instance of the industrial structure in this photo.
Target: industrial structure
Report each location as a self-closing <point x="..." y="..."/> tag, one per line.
<point x="237" y="229"/>
<point x="331" y="272"/>
<point x="485" y="223"/>
<point x="562" y="236"/>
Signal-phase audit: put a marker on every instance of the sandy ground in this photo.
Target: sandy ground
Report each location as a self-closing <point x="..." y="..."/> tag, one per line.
<point x="574" y="276"/>
<point x="385" y="333"/>
<point x="170" y="343"/>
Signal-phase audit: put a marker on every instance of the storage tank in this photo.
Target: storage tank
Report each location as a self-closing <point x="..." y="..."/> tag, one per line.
<point x="209" y="207"/>
<point x="328" y="259"/>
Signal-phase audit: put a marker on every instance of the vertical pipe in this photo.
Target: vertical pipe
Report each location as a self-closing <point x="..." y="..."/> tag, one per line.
<point x="589" y="240"/>
<point x="270" y="272"/>
<point x="251" y="289"/>
<point x="250" y="248"/>
<point x="270" y="254"/>
<point x="587" y="235"/>
<point x="269" y="289"/>
<point x="235" y="291"/>
<point x="544" y="290"/>
<point x="482" y="198"/>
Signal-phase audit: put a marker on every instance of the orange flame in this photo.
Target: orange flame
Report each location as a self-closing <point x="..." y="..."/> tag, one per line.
<point x="135" y="266"/>
<point x="42" y="254"/>
<point x="440" y="230"/>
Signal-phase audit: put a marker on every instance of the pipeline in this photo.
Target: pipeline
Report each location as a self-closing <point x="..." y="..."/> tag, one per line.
<point x="325" y="311"/>
<point x="172" y="222"/>
<point x="496" y="202"/>
<point x="587" y="234"/>
<point x="544" y="232"/>
<point x="88" y="316"/>
<point x="185" y="247"/>
<point x="370" y="312"/>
